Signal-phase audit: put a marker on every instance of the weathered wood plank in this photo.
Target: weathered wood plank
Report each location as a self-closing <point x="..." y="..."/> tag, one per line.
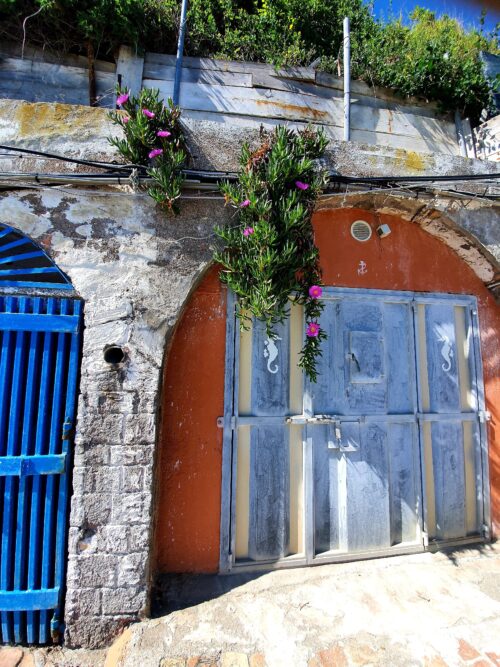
<point x="210" y="64"/>
<point x="412" y="144"/>
<point x="273" y="82"/>
<point x="442" y="366"/>
<point x="363" y="395"/>
<point x="50" y="82"/>
<point x="326" y="491"/>
<point x="449" y="479"/>
<point x="35" y="91"/>
<point x="267" y="77"/>
<point x="270" y="368"/>
<point x="129" y="70"/>
<point x="191" y="75"/>
<point x="264" y="76"/>
<point x="269" y="520"/>
<point x="368" y="516"/>
<point x="404" y="483"/>
<point x="50" y="74"/>
<point x="9" y="49"/>
<point x="327" y="393"/>
<point x="362" y="88"/>
<point x="398" y="335"/>
<point x="287" y="106"/>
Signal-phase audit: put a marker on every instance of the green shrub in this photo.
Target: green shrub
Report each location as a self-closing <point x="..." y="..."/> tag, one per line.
<point x="436" y="58"/>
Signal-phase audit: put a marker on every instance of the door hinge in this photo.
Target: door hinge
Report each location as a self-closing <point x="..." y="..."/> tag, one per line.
<point x="425" y="538"/>
<point x="484" y="416"/>
<point x="55" y="628"/>
<point x="67" y="430"/>
<point x="486" y="531"/>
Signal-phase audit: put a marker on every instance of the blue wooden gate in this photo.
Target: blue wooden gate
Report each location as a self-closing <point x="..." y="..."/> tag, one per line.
<point x="387" y="453"/>
<point x="40" y="340"/>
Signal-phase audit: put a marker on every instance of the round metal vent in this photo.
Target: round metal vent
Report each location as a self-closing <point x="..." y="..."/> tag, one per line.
<point x="361" y="230"/>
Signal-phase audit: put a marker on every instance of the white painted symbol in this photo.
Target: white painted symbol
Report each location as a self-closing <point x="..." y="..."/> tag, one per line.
<point x="362" y="268"/>
<point x="271" y="353"/>
<point x="447" y="349"/>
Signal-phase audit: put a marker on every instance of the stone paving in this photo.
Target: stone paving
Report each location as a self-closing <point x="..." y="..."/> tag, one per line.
<point x="426" y="610"/>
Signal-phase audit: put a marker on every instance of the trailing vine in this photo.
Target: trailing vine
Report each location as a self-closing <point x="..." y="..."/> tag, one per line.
<point x="152" y="138"/>
<point x="269" y="254"/>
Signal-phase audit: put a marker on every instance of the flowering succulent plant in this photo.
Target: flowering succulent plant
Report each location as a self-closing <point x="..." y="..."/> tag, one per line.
<point x="153" y="140"/>
<point x="269" y="254"/>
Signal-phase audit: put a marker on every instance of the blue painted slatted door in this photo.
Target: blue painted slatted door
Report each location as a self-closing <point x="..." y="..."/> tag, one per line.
<point x="452" y="419"/>
<point x="381" y="455"/>
<point x="39" y="360"/>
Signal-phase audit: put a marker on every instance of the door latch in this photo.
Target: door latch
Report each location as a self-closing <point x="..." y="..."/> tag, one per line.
<point x="484" y="416"/>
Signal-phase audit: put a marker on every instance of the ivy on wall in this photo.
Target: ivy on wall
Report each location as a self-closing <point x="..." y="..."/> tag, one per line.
<point x="269" y="254"/>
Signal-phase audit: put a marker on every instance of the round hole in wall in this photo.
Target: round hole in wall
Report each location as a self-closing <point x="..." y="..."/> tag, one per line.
<point x="114" y="354"/>
<point x="361" y="230"/>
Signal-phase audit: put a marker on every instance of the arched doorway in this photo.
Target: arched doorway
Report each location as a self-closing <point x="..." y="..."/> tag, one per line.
<point x="414" y="276"/>
<point x="41" y="321"/>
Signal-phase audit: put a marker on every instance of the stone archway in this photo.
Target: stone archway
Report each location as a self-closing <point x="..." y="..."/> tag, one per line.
<point x="427" y="251"/>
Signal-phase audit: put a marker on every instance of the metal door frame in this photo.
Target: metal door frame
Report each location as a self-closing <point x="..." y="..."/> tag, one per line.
<point x="230" y="436"/>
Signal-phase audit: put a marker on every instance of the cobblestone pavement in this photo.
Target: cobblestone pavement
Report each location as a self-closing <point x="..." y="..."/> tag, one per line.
<point x="425" y="610"/>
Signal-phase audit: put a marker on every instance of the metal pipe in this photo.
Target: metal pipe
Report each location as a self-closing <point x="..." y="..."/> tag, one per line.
<point x="180" y="52"/>
<point x="347" y="80"/>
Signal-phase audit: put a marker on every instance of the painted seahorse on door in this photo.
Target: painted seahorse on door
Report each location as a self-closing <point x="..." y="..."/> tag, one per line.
<point x="447" y="349"/>
<point x="271" y="353"/>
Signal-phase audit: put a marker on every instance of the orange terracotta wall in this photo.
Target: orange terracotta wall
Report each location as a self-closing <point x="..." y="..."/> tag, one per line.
<point x="190" y="448"/>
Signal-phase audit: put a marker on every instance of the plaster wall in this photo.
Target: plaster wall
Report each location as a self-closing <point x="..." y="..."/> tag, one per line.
<point x="135" y="268"/>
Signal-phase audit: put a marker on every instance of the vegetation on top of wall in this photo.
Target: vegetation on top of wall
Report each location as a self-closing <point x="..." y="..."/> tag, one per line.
<point x="436" y="58"/>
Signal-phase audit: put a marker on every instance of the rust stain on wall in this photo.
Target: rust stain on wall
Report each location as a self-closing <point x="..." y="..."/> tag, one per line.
<point x="305" y="112"/>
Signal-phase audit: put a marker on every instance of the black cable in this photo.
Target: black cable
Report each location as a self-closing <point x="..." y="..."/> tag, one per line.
<point x="62" y="158"/>
<point x="209" y="176"/>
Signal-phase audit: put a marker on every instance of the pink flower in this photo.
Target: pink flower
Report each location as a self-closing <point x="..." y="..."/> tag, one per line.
<point x="155" y="152"/>
<point x="148" y="113"/>
<point x="122" y="99"/>
<point x="315" y="291"/>
<point x="245" y="203"/>
<point x="163" y="133"/>
<point x="248" y="231"/>
<point x="126" y="119"/>
<point x="312" y="330"/>
<point x="302" y="186"/>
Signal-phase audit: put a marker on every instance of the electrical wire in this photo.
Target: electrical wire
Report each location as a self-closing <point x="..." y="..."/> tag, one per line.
<point x="212" y="176"/>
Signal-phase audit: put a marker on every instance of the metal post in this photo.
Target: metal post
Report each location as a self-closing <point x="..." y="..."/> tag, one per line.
<point x="347" y="80"/>
<point x="180" y="52"/>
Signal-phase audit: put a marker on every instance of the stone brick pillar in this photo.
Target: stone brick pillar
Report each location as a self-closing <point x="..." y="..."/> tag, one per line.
<point x="109" y="537"/>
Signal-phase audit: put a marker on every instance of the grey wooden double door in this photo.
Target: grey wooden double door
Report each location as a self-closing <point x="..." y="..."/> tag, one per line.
<point x="382" y="454"/>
